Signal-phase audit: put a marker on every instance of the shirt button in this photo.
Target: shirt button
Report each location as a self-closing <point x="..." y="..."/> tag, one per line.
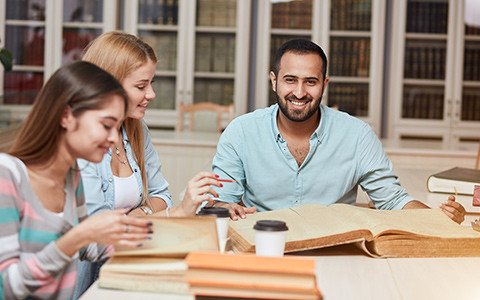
<point x="135" y="170"/>
<point x="141" y="195"/>
<point x="110" y="179"/>
<point x="298" y="173"/>
<point x="296" y="201"/>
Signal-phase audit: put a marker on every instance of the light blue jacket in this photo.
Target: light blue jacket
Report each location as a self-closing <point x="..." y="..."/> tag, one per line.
<point x="99" y="192"/>
<point x="98" y="178"/>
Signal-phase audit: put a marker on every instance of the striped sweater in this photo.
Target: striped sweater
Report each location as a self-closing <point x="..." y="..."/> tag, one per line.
<point x="30" y="263"/>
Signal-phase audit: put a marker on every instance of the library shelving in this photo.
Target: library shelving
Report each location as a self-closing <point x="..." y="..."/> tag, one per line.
<point x="350" y="32"/>
<point x="42" y="35"/>
<point x="434" y="74"/>
<point x="202" y="46"/>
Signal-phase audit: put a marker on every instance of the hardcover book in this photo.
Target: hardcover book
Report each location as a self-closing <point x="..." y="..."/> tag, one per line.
<point x="460" y="180"/>
<point x="380" y="233"/>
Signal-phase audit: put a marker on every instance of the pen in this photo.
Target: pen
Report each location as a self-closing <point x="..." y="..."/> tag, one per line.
<point x="225" y="180"/>
<point x="455" y="189"/>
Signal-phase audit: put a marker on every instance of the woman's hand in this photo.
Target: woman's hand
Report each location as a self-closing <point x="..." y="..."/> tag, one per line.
<point x="197" y="189"/>
<point x="108" y="228"/>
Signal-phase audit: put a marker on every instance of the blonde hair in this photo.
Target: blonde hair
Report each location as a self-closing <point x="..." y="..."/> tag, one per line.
<point x="120" y="53"/>
<point x="80" y="85"/>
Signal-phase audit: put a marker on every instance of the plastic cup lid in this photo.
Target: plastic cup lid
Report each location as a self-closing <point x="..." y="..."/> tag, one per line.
<point x="270" y="225"/>
<point x="220" y="212"/>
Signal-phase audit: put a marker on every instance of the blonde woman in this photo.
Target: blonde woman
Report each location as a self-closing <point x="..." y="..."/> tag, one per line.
<point x="129" y="174"/>
<point x="44" y="224"/>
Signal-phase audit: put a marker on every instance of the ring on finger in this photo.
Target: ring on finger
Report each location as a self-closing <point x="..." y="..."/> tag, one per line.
<point x="127" y="229"/>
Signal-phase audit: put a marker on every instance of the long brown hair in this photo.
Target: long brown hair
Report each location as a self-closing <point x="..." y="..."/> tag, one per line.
<point x="120" y="54"/>
<point x="80" y="85"/>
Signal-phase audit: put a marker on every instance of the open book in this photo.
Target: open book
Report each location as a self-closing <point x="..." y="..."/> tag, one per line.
<point x="158" y="265"/>
<point x="380" y="233"/>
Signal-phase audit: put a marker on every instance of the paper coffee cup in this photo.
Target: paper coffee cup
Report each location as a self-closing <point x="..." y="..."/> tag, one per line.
<point x="270" y="236"/>
<point x="223" y="217"/>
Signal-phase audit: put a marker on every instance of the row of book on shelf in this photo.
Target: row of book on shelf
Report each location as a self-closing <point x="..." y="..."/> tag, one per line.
<point x="219" y="91"/>
<point x="349" y="57"/>
<point x="351" y="15"/>
<point x="471" y="69"/>
<point x="215" y="53"/>
<point x="425" y="61"/>
<point x="25" y="10"/>
<point x="165" y="46"/>
<point x="427" y="16"/>
<point x="349" y="98"/>
<point x="219" y="13"/>
<point x="26" y="44"/>
<point x="423" y="103"/>
<point x="163" y="12"/>
<point x="292" y="14"/>
<point x="83" y="10"/>
<point x="471" y="105"/>
<point x="21" y="87"/>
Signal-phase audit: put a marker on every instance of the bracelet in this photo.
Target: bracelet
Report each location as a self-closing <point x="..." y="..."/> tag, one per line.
<point x="166" y="212"/>
<point x="146" y="210"/>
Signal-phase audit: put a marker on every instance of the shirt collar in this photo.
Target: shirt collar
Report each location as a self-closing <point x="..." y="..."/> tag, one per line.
<point x="317" y="133"/>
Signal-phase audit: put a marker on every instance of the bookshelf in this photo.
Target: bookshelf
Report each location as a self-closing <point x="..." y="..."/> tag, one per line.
<point x="42" y="35"/>
<point x="435" y="78"/>
<point x="349" y="31"/>
<point x="202" y="46"/>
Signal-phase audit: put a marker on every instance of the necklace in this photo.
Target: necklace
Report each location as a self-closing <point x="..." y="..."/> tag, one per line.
<point x="117" y="152"/>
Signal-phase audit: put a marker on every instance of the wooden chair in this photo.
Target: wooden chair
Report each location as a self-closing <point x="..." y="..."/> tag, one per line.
<point x="220" y="110"/>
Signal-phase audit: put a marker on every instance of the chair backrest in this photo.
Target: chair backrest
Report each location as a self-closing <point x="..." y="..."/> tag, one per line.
<point x="220" y="110"/>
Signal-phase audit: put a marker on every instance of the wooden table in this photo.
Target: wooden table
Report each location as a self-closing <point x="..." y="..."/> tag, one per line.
<point x="344" y="272"/>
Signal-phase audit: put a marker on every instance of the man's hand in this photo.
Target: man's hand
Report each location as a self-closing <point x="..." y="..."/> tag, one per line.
<point x="453" y="210"/>
<point x="236" y="209"/>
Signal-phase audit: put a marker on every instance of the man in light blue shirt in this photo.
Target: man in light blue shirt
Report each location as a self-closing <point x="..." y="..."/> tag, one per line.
<point x="299" y="151"/>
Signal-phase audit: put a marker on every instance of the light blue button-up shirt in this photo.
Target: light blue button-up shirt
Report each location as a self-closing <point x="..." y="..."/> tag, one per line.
<point x="99" y="184"/>
<point x="344" y="153"/>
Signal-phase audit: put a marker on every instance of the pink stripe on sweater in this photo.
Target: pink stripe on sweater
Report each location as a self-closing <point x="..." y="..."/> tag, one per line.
<point x="6" y="263"/>
<point x="42" y="277"/>
<point x="7" y="187"/>
<point x="66" y="281"/>
<point x="30" y="212"/>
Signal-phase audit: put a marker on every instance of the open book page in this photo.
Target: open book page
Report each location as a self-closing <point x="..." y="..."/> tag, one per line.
<point x="310" y="226"/>
<point x="176" y="237"/>
<point x="426" y="222"/>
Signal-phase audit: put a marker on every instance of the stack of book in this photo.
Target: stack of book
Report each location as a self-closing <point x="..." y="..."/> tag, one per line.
<point x="250" y="276"/>
<point x="158" y="265"/>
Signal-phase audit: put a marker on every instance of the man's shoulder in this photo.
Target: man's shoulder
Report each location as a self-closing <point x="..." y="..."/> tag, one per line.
<point x="259" y="117"/>
<point x="344" y="119"/>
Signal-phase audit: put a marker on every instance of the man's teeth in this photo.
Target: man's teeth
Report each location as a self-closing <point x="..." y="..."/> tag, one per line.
<point x="298" y="103"/>
<point x="144" y="105"/>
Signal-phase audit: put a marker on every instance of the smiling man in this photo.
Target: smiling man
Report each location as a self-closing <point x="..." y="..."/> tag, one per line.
<point x="299" y="151"/>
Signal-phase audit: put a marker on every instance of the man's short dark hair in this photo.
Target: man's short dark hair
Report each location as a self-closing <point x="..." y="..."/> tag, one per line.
<point x="299" y="46"/>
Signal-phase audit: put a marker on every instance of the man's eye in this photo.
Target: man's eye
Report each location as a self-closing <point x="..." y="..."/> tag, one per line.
<point x="140" y="87"/>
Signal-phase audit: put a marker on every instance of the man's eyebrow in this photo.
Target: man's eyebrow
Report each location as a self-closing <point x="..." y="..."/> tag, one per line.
<point x="296" y="77"/>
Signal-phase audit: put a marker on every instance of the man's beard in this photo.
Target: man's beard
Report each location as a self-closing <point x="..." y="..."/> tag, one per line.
<point x="296" y="115"/>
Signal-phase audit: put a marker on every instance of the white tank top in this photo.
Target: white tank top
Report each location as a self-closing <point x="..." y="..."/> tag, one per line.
<point x="126" y="191"/>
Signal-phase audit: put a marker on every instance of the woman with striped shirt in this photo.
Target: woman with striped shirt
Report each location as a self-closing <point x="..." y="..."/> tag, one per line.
<point x="44" y="228"/>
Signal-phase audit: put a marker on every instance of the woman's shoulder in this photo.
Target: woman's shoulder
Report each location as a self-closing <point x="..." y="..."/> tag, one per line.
<point x="12" y="165"/>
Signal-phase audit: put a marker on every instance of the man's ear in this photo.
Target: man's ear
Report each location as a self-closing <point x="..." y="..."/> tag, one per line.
<point x="325" y="82"/>
<point x="273" y="79"/>
<point x="68" y="119"/>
